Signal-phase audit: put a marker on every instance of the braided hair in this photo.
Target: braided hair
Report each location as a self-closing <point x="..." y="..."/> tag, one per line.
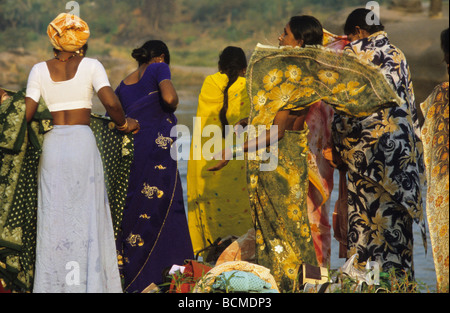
<point x="232" y="61"/>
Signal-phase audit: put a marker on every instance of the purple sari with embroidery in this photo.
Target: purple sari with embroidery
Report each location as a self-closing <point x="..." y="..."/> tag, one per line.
<point x="154" y="233"/>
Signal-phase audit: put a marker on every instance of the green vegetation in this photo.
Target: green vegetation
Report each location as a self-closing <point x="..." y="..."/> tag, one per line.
<point x="195" y="30"/>
<point x="389" y="283"/>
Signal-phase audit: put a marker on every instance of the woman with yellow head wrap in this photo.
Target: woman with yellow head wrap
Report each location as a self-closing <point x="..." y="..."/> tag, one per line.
<point x="68" y="32"/>
<point x="75" y="231"/>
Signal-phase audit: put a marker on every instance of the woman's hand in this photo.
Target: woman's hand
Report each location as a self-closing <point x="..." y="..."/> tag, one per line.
<point x="131" y="126"/>
<point x="240" y="126"/>
<point x="219" y="166"/>
<point x="224" y="157"/>
<point x="4" y="96"/>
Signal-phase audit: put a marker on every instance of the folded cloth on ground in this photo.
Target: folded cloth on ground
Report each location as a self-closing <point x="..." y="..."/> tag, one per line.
<point x="205" y="284"/>
<point x="239" y="281"/>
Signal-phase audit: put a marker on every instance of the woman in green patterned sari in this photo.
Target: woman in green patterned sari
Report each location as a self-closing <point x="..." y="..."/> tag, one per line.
<point x="283" y="83"/>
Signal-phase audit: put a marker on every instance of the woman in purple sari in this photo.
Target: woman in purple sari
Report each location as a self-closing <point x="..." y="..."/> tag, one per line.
<point x="154" y="233"/>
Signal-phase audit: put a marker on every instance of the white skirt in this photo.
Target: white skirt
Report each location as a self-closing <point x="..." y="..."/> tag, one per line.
<point x="75" y="250"/>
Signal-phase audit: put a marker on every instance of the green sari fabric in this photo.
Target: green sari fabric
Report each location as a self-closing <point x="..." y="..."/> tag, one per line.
<point x="117" y="152"/>
<point x="279" y="203"/>
<point x="293" y="79"/>
<point x="20" y="145"/>
<point x="20" y="150"/>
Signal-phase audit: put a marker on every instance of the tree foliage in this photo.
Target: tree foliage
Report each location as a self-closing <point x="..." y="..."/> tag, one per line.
<point x="123" y="20"/>
<point x="119" y="21"/>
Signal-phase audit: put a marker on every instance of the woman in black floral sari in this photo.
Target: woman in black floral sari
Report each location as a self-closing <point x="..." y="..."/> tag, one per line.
<point x="384" y="157"/>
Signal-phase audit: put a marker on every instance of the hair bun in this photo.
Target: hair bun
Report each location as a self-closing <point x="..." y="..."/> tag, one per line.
<point x="139" y="54"/>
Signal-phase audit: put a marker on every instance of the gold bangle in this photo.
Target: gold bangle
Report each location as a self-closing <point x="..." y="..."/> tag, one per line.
<point x="124" y="126"/>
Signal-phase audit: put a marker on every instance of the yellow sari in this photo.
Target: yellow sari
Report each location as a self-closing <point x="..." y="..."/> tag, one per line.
<point x="218" y="202"/>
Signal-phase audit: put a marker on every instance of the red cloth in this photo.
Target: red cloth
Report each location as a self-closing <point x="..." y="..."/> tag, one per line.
<point x="319" y="120"/>
<point x="3" y="290"/>
<point x="193" y="272"/>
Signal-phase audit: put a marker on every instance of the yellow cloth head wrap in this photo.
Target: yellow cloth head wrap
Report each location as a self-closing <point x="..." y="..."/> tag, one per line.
<point x="68" y="32"/>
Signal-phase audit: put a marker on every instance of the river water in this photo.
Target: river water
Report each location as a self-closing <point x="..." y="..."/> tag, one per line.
<point x="423" y="263"/>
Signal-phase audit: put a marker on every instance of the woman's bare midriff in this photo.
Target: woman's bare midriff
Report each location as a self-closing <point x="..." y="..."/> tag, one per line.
<point x="72" y="117"/>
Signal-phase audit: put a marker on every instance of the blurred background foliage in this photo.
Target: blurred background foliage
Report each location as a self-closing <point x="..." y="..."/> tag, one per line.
<point x="197" y="30"/>
<point x="190" y="27"/>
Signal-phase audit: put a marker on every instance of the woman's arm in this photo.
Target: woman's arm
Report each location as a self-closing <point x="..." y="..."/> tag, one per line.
<point x="169" y="95"/>
<point x="114" y="108"/>
<point x="270" y="137"/>
<point x="31" y="107"/>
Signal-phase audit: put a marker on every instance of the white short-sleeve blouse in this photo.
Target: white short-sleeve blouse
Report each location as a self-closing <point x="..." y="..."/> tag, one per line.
<point x="72" y="94"/>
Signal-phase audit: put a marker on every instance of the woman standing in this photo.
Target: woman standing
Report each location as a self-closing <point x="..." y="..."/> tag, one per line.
<point x="279" y="207"/>
<point x="283" y="82"/>
<point x="435" y="140"/>
<point x="384" y="157"/>
<point x="154" y="233"/>
<point x="75" y="239"/>
<point x="218" y="202"/>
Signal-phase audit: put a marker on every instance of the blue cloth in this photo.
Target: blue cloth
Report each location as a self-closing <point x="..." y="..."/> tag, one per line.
<point x="240" y="281"/>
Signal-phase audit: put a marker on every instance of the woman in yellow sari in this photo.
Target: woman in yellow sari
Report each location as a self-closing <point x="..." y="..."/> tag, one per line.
<point x="218" y="203"/>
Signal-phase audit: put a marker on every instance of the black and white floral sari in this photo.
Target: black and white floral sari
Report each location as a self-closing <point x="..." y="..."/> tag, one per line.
<point x="384" y="156"/>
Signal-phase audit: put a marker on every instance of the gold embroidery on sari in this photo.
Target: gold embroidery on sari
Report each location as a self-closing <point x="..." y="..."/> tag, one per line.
<point x="135" y="240"/>
<point x="163" y="142"/>
<point x="150" y="192"/>
<point x="145" y="216"/>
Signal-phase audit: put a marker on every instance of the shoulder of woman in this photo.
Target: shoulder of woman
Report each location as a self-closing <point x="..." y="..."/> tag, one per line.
<point x="159" y="66"/>
<point x="38" y="68"/>
<point x="438" y="93"/>
<point x="444" y="86"/>
<point x="39" y="65"/>
<point x="156" y="69"/>
<point x="218" y="79"/>
<point x="94" y="62"/>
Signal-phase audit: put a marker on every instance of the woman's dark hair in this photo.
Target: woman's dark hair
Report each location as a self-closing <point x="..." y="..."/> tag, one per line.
<point x="307" y="28"/>
<point x="359" y="18"/>
<point x="444" y="44"/>
<point x="84" y="50"/>
<point x="150" y="50"/>
<point x="232" y="61"/>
